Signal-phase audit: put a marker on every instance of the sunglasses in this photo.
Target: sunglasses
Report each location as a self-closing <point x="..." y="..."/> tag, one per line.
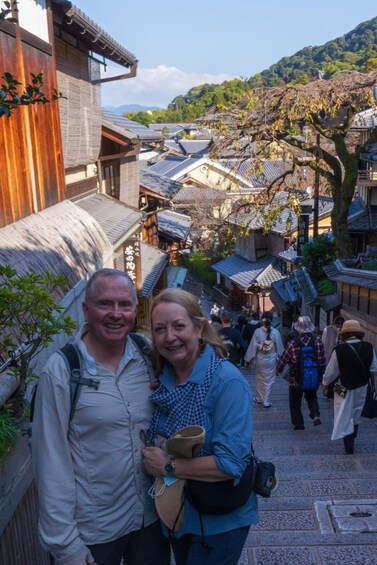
<point x="149" y="441"/>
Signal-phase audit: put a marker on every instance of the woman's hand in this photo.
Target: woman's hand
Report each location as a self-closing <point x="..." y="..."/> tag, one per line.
<point x="154" y="460"/>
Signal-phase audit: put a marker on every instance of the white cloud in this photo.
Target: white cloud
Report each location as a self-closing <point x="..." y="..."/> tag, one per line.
<point x="153" y="87"/>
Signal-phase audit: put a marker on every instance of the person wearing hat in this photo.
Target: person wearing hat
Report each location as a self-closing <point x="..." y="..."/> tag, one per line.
<point x="199" y="390"/>
<point x="351" y="363"/>
<point x="291" y="355"/>
<point x="265" y="347"/>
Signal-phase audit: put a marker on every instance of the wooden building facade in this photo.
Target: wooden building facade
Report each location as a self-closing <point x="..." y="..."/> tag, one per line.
<point x="32" y="169"/>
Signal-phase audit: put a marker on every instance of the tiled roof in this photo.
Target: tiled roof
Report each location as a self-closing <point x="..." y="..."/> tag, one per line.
<point x="271" y="274"/>
<point x="288" y="290"/>
<point x="173" y="225"/>
<point x="173" y="145"/>
<point x="339" y="272"/>
<point x="62" y="239"/>
<point x="196" y="194"/>
<point x="244" y="273"/>
<point x="269" y="170"/>
<point x="310" y="294"/>
<point x="114" y="217"/>
<point x="159" y="184"/>
<point x="172" y="128"/>
<point x="309" y="291"/>
<point x="128" y="126"/>
<point x="286" y="221"/>
<point x="88" y="32"/>
<point x="191" y="146"/>
<point x="153" y="263"/>
<point x="366" y="221"/>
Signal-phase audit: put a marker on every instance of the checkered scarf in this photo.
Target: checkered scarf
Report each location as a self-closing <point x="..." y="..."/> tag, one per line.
<point x="183" y="406"/>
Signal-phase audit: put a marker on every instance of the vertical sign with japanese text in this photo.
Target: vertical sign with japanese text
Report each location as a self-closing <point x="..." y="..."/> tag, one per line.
<point x="303" y="231"/>
<point x="132" y="260"/>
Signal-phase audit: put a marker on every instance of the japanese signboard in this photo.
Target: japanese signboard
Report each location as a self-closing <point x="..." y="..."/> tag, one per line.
<point x="303" y="231"/>
<point x="132" y="260"/>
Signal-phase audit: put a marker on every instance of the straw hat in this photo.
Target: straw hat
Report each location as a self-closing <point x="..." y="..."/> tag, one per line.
<point x="304" y="325"/>
<point x="352" y="327"/>
<point x="169" y="499"/>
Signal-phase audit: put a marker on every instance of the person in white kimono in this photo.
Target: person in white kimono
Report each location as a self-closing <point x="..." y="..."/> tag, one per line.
<point x="351" y="364"/>
<point x="265" y="348"/>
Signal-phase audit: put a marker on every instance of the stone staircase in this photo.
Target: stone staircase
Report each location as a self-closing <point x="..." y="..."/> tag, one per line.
<point x="325" y="508"/>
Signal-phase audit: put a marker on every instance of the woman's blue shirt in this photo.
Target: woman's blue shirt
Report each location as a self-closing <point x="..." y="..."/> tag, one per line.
<point x="228" y="425"/>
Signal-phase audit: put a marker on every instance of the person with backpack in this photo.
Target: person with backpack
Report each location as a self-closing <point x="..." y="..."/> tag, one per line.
<point x="265" y="348"/>
<point x="250" y="327"/>
<point x="350" y="366"/>
<point x="306" y="356"/>
<point x="232" y="338"/>
<point x="93" y="493"/>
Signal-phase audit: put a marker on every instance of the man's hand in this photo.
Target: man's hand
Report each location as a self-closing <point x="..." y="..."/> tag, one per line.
<point x="154" y="460"/>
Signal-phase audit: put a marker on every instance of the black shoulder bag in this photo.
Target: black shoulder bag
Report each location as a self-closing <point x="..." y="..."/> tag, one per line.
<point x="223" y="497"/>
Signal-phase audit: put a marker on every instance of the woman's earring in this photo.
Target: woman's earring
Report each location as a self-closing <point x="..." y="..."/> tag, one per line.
<point x="201" y="341"/>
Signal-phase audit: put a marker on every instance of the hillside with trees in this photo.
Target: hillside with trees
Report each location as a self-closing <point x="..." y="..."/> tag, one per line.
<point x="356" y="50"/>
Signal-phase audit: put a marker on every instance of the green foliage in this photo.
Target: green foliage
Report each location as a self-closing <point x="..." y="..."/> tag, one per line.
<point x="370" y="265"/>
<point x="326" y="286"/>
<point x="199" y="265"/>
<point x="12" y="95"/>
<point x="317" y="254"/>
<point x="195" y="103"/>
<point x="29" y="318"/>
<point x="7" y="11"/>
<point x="352" y="51"/>
<point x="8" y="430"/>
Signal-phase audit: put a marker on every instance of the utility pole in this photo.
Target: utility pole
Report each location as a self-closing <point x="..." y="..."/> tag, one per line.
<point x="316" y="190"/>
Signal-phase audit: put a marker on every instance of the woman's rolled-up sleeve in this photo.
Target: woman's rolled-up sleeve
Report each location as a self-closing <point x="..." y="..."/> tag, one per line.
<point x="231" y="436"/>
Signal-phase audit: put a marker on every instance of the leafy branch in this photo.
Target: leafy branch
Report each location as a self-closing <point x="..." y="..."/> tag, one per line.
<point x="13" y="94"/>
<point x="29" y="319"/>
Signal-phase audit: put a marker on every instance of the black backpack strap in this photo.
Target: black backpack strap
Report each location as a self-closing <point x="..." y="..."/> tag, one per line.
<point x="73" y="363"/>
<point x="312" y="342"/>
<point x="146" y="351"/>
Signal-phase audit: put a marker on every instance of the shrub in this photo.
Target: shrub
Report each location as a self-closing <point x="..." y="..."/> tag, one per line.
<point x="317" y="254"/>
<point x="8" y="430"/>
<point x="199" y="265"/>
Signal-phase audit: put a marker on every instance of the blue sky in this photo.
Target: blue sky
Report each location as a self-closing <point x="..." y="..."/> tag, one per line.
<point x="182" y="44"/>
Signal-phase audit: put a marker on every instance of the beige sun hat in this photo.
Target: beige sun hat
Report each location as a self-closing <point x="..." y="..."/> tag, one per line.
<point x="169" y="499"/>
<point x="304" y="325"/>
<point x="352" y="327"/>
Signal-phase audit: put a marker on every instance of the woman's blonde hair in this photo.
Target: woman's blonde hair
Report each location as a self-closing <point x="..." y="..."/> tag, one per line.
<point x="190" y="303"/>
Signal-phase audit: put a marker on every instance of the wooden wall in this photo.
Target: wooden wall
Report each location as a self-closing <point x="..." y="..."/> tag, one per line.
<point x="32" y="168"/>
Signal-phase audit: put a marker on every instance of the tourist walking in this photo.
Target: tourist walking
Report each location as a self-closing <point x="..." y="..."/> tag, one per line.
<point x="292" y="356"/>
<point x="350" y="367"/>
<point x="250" y="327"/>
<point x="232" y="338"/>
<point x="265" y="348"/>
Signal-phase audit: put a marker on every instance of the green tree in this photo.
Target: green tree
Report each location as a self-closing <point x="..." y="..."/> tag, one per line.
<point x="316" y="255"/>
<point x="29" y="320"/>
<point x="327" y="110"/>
